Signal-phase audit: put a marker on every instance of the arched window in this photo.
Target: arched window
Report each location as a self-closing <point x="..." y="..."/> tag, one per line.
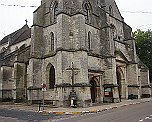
<point x="52" y="41"/>
<point x="89" y="40"/>
<point x="110" y="10"/>
<point x="51" y="77"/>
<point x="16" y="48"/>
<point x="113" y="31"/>
<point x="23" y="46"/>
<point x="53" y="11"/>
<point x="3" y="49"/>
<point x="87" y="9"/>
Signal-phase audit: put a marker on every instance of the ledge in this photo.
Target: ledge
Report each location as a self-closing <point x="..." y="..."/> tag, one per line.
<point x="145" y="86"/>
<point x="134" y="85"/>
<point x="110" y="85"/>
<point x="34" y="88"/>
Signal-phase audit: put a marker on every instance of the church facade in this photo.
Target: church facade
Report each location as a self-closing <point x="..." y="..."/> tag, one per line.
<point x="84" y="53"/>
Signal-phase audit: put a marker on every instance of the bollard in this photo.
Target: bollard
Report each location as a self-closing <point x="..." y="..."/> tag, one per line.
<point x="40" y="106"/>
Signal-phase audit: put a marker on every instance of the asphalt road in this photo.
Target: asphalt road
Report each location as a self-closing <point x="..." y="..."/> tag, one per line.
<point x="12" y="115"/>
<point x="133" y="113"/>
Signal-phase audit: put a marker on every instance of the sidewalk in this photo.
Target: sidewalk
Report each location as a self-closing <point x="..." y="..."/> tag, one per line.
<point x="95" y="109"/>
<point x="60" y="110"/>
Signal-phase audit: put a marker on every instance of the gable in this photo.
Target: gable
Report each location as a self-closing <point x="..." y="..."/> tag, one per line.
<point x="141" y="65"/>
<point x="121" y="57"/>
<point x="116" y="12"/>
<point x="17" y="36"/>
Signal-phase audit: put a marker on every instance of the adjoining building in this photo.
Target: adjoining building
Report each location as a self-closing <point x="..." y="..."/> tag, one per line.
<point x="14" y="58"/>
<point x="81" y="49"/>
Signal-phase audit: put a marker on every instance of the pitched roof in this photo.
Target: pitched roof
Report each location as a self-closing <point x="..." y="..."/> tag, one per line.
<point x="25" y="35"/>
<point x="17" y="36"/>
<point x="141" y="64"/>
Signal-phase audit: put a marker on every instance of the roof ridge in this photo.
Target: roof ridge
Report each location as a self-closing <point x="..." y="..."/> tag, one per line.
<point x="12" y="35"/>
<point x="18" y="39"/>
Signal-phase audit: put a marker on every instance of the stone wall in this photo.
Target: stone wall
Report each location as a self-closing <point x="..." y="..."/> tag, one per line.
<point x="19" y="76"/>
<point x="24" y="43"/>
<point x="145" y="83"/>
<point x="7" y="84"/>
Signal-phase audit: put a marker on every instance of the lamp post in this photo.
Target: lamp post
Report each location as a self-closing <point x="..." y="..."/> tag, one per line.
<point x="43" y="90"/>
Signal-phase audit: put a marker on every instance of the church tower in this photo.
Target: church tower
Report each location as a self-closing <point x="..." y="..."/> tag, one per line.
<point x="84" y="53"/>
<point x="64" y="35"/>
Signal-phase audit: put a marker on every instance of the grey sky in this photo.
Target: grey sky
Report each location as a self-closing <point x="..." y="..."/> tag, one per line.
<point x="137" y="13"/>
<point x="13" y="17"/>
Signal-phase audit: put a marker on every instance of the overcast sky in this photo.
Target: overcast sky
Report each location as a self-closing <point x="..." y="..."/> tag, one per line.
<point x="137" y="14"/>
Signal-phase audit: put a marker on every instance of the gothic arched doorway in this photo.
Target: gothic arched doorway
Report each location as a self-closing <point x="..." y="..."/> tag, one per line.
<point x="93" y="90"/>
<point x="119" y="84"/>
<point x="50" y="77"/>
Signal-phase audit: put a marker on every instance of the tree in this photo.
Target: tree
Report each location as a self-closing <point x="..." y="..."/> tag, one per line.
<point x="144" y="48"/>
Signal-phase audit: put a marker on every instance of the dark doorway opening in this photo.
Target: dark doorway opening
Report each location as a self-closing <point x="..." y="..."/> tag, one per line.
<point x="51" y="78"/>
<point x="119" y="84"/>
<point x="93" y="90"/>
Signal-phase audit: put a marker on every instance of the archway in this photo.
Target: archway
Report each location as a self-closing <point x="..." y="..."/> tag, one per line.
<point x="119" y="84"/>
<point x="50" y="76"/>
<point x="93" y="90"/>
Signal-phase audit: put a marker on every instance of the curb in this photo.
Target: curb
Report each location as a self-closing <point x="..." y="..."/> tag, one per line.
<point x="62" y="112"/>
<point x="90" y="111"/>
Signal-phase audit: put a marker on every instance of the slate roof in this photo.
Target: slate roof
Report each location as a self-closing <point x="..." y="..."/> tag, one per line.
<point x="141" y="64"/>
<point x="17" y="36"/>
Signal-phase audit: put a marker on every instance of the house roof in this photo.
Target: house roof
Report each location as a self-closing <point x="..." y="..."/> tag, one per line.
<point x="17" y="36"/>
<point x="141" y="64"/>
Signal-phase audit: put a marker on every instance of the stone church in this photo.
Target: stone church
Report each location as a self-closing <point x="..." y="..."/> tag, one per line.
<point x="82" y="50"/>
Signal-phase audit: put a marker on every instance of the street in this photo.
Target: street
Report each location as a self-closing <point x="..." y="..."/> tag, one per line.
<point x="7" y="115"/>
<point x="20" y="116"/>
<point x="134" y="113"/>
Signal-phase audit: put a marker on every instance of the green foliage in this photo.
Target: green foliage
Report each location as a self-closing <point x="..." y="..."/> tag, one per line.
<point x="144" y="47"/>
